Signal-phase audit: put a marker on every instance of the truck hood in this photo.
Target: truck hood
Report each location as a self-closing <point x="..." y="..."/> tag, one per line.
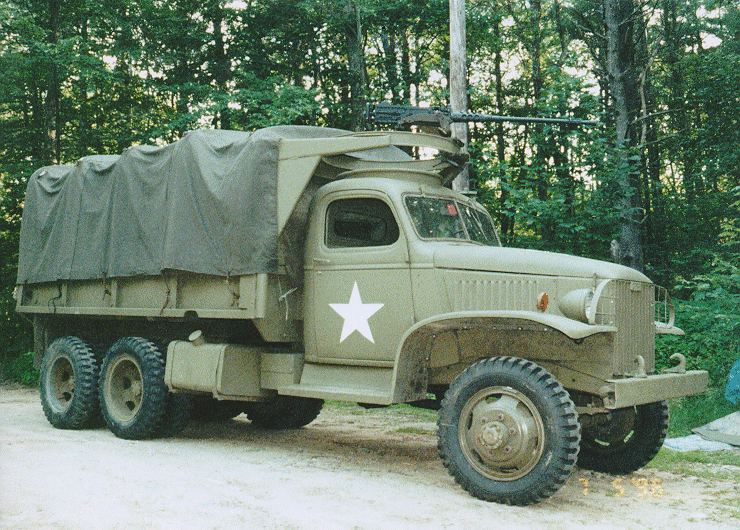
<point x="523" y="261"/>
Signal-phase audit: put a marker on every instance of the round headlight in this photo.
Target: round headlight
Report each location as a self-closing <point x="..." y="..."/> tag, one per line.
<point x="588" y="304"/>
<point x="577" y="304"/>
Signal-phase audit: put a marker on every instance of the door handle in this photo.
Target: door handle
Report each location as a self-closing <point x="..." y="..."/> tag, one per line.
<point x="320" y="261"/>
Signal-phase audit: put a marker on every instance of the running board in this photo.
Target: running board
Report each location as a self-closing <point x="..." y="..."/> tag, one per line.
<point x="356" y="384"/>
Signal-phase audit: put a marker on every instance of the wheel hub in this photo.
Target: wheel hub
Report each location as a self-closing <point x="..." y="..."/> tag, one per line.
<point x="493" y="435"/>
<point x="502" y="432"/>
<point x="124" y="389"/>
<point x="62" y="383"/>
<point x="615" y="427"/>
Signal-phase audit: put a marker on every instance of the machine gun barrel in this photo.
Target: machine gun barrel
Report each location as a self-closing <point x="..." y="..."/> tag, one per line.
<point x="384" y="113"/>
<point x="487" y="118"/>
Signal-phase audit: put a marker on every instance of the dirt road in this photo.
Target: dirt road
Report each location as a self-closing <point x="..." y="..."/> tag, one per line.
<point x="350" y="469"/>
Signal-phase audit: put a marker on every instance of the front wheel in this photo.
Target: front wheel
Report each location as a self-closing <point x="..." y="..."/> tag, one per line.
<point x="508" y="431"/>
<point x="628" y="439"/>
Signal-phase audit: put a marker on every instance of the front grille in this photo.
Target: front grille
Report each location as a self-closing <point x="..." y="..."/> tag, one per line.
<point x="631" y="308"/>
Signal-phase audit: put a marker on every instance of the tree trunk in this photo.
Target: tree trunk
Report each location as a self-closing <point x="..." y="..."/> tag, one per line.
<point x="406" y="75"/>
<point x="53" y="145"/>
<point x="619" y="17"/>
<point x="505" y="218"/>
<point x="84" y="135"/>
<point x="222" y="70"/>
<point x="388" y="40"/>
<point x="562" y="32"/>
<point x="356" y="65"/>
<point x="541" y="171"/>
<point x="649" y="145"/>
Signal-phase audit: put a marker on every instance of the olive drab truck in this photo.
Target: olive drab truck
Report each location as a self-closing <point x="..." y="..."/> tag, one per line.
<point x="264" y="273"/>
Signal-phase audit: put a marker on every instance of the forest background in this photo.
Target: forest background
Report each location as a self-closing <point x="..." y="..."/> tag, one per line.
<point x="656" y="185"/>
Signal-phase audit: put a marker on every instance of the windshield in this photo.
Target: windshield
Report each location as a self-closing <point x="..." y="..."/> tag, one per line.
<point x="437" y="218"/>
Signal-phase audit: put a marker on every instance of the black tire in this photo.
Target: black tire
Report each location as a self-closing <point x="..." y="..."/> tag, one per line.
<point x="209" y="409"/>
<point x="99" y="349"/>
<point x="508" y="431"/>
<point x="284" y="412"/>
<point x="179" y="409"/>
<point x="133" y="396"/>
<point x="68" y="384"/>
<point x="177" y="415"/>
<point x="631" y="439"/>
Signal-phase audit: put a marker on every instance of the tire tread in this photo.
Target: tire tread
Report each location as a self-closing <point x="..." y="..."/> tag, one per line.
<point x="83" y="411"/>
<point x="624" y="458"/>
<point x="567" y="425"/>
<point x="148" y="421"/>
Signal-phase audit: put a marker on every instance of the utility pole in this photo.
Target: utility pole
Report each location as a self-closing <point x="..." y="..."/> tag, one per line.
<point x="458" y="82"/>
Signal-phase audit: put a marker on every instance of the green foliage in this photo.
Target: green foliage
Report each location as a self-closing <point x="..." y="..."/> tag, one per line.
<point x="20" y="370"/>
<point x="15" y="332"/>
<point x="694" y="411"/>
<point x="711" y="319"/>
<point x="269" y="102"/>
<point x="562" y="199"/>
<point x="712" y="340"/>
<point x="712" y="327"/>
<point x="684" y="462"/>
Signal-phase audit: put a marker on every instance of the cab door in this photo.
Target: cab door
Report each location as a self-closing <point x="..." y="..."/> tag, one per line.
<point x="358" y="281"/>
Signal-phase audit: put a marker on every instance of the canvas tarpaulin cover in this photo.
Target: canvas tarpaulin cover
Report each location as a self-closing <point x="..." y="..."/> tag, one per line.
<point x="204" y="204"/>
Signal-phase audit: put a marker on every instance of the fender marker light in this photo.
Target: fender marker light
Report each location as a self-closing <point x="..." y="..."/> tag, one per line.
<point x="543" y="300"/>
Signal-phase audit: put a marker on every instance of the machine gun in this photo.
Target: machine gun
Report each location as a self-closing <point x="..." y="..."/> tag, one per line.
<point x="439" y="119"/>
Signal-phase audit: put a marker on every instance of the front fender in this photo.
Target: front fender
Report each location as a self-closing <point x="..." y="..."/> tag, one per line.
<point x="573" y="329"/>
<point x="414" y="355"/>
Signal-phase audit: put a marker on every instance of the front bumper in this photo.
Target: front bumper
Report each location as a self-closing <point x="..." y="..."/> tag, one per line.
<point x="627" y="392"/>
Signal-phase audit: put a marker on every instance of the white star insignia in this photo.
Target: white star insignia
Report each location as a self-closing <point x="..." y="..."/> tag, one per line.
<point x="356" y="315"/>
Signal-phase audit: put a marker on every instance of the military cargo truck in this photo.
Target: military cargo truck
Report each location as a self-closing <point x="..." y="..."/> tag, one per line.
<point x="264" y="273"/>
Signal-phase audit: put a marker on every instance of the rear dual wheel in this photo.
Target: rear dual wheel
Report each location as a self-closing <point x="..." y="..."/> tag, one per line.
<point x="68" y="384"/>
<point x="134" y="399"/>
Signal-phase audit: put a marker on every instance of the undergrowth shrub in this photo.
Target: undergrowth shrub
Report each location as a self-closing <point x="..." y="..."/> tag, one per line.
<point x="712" y="340"/>
<point x="20" y="370"/>
<point x="694" y="411"/>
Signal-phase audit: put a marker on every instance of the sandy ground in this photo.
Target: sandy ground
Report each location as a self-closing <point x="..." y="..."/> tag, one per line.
<point x="350" y="469"/>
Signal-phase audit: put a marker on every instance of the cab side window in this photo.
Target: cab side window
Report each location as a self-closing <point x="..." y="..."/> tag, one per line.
<point x="360" y="223"/>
